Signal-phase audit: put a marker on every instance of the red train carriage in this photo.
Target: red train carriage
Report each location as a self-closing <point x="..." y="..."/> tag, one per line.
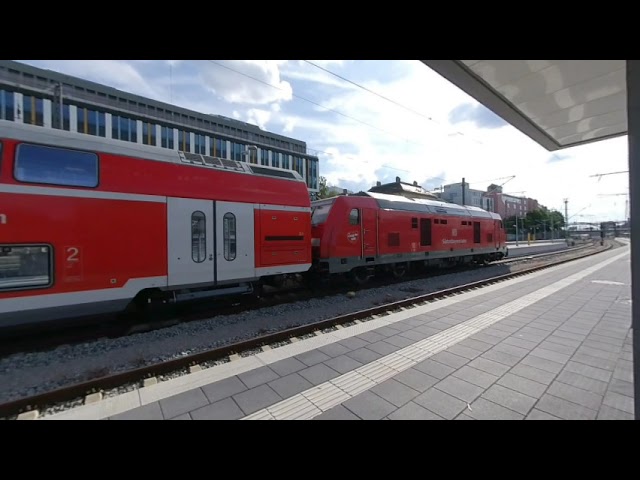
<point x="88" y="224"/>
<point x="368" y="231"/>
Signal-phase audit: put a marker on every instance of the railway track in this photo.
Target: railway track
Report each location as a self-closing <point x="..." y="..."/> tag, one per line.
<point x="42" y="338"/>
<point x="136" y="377"/>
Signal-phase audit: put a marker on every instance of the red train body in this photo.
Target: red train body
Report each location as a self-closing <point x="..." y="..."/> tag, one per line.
<point x="89" y="225"/>
<point x="373" y="231"/>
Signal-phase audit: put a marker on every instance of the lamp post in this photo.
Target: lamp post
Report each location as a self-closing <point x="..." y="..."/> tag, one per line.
<point x="57" y="92"/>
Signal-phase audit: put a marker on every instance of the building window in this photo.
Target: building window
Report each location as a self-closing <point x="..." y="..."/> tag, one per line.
<point x="167" y="137"/>
<point x="198" y="237"/>
<point x="285" y="161"/>
<point x="149" y="133"/>
<point x="184" y="141"/>
<point x="275" y="156"/>
<point x="313" y="177"/>
<point x="213" y="147"/>
<point x="237" y="151"/>
<point x="6" y="105"/>
<point x="264" y="157"/>
<point x="200" y="145"/>
<point x="253" y="155"/>
<point x="33" y="110"/>
<point x="91" y="122"/>
<point x="56" y="166"/>
<point x="218" y="147"/>
<point x="25" y="266"/>
<point x="229" y="236"/>
<point x="123" y="128"/>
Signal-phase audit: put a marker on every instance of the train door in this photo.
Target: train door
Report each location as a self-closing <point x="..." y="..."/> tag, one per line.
<point x="476" y="232"/>
<point x="369" y="232"/>
<point x="190" y="241"/>
<point x="235" y="237"/>
<point x="425" y="232"/>
<point x="496" y="233"/>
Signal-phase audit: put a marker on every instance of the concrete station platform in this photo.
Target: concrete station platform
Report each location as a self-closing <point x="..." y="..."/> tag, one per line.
<point x="555" y="344"/>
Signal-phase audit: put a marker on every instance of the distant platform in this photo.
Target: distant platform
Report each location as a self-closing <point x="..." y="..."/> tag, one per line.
<point x="543" y="246"/>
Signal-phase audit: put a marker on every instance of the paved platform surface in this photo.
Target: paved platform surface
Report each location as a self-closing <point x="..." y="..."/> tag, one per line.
<point x="552" y="345"/>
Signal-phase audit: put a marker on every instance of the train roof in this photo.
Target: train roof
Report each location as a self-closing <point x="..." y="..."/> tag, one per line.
<point x="422" y="205"/>
<point x="82" y="141"/>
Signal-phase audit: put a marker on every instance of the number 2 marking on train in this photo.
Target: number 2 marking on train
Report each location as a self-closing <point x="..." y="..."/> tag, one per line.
<point x="3" y="219"/>
<point x="72" y="254"/>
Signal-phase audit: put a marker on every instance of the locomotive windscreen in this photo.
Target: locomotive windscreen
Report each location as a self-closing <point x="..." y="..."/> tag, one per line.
<point x="320" y="212"/>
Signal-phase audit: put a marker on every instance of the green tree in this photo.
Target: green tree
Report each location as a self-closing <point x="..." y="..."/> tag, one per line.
<point x="536" y="221"/>
<point x="324" y="190"/>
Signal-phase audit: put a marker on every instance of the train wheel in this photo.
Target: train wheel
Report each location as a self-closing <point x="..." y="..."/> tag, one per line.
<point x="400" y="270"/>
<point x="359" y="275"/>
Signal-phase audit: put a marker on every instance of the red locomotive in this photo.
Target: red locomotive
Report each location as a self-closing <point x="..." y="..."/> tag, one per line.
<point x="359" y="234"/>
<point x="90" y="225"/>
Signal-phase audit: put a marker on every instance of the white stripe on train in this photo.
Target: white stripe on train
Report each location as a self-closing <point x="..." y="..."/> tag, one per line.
<point x="133" y="197"/>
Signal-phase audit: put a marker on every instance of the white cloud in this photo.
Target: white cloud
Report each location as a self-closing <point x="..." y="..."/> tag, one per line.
<point x="381" y="140"/>
<point x="316" y="76"/>
<point x="264" y="87"/>
<point x="328" y="63"/>
<point x="289" y="125"/>
<point x="258" y="117"/>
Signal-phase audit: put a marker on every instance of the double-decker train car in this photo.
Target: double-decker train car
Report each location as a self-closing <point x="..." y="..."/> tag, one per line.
<point x="90" y="225"/>
<point x="359" y="234"/>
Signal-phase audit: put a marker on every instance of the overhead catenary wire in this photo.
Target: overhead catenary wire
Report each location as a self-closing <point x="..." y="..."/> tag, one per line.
<point x="349" y="116"/>
<point x="317" y="104"/>
<point x="554" y="155"/>
<point x="341" y="113"/>
<point x="428" y="117"/>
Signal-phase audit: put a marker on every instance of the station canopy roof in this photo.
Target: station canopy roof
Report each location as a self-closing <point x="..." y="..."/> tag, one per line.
<point x="558" y="103"/>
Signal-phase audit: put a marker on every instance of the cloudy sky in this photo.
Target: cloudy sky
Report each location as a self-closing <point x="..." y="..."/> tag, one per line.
<point x="372" y="120"/>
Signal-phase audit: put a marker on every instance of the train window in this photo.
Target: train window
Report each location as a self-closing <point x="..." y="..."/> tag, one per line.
<point x="229" y="236"/>
<point x="320" y="213"/>
<point x="443" y="222"/>
<point x="198" y="237"/>
<point x="436" y="221"/>
<point x="56" y="166"/>
<point x="354" y="217"/>
<point x="24" y="267"/>
<point x="414" y="222"/>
